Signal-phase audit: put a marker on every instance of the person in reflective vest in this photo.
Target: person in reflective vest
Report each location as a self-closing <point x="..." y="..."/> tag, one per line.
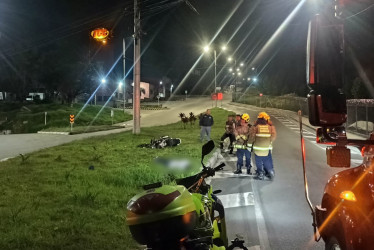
<point x="243" y="145"/>
<point x="264" y="135"/>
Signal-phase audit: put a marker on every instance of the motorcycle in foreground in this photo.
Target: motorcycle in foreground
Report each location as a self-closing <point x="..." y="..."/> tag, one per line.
<point x="185" y="216"/>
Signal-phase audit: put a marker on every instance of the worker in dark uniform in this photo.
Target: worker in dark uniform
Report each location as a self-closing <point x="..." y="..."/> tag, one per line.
<point x="229" y="132"/>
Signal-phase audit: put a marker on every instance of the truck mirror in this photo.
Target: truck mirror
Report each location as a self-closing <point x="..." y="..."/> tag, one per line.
<point x="327" y="107"/>
<point x="333" y="133"/>
<point x="325" y="51"/>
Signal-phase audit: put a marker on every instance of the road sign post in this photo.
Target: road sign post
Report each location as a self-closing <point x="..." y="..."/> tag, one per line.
<point x="185" y="93"/>
<point x="45" y="118"/>
<point x="72" y="118"/>
<point x="112" y="115"/>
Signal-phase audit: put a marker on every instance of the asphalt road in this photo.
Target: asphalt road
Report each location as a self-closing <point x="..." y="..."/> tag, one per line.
<point x="275" y="214"/>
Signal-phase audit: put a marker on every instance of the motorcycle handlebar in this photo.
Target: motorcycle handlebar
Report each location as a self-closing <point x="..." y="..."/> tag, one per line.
<point x="219" y="167"/>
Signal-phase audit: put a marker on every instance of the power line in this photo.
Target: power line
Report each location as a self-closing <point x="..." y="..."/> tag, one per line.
<point x="359" y="12"/>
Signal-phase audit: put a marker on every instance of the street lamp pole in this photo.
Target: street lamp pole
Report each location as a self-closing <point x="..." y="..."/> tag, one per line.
<point x="215" y="75"/>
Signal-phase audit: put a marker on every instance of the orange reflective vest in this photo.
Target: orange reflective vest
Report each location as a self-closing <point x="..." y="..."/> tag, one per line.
<point x="262" y="143"/>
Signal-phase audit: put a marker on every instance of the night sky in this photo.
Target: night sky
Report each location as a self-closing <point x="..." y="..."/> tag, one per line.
<point x="174" y="35"/>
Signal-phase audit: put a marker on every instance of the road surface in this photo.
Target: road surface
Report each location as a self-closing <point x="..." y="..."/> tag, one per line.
<point x="275" y="215"/>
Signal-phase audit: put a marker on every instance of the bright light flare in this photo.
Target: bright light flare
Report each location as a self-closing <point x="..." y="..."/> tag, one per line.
<point x="206" y="48"/>
<point x="230" y="69"/>
<point x="224" y="48"/>
<point x="348" y="196"/>
<point x="229" y="59"/>
<point x="161" y="83"/>
<point x="255" y="79"/>
<point x="120" y="83"/>
<point x="241" y="64"/>
<point x="248" y="78"/>
<point x="103" y="80"/>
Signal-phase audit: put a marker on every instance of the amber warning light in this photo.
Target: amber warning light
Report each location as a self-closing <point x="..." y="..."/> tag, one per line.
<point x="72" y="119"/>
<point x="100" y="34"/>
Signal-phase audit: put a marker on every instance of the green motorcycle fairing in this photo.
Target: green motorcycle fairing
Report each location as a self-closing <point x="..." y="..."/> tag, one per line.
<point x="160" y="203"/>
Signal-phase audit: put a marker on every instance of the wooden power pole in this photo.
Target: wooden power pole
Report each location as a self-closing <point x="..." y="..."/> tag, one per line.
<point x="136" y="78"/>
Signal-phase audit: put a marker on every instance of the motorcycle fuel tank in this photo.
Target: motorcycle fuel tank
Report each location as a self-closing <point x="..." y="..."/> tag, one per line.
<point x="159" y="214"/>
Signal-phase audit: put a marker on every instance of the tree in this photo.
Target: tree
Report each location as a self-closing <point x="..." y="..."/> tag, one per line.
<point x="359" y="90"/>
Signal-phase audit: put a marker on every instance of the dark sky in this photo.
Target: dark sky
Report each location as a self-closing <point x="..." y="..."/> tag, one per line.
<point x="174" y="36"/>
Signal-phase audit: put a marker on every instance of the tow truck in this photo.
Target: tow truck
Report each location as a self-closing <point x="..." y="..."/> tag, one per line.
<point x="345" y="217"/>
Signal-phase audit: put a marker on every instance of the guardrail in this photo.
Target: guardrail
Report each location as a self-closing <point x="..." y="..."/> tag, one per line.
<point x="360" y="112"/>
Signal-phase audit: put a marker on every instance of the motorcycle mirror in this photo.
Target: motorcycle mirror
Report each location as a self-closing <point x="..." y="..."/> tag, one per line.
<point x="207" y="148"/>
<point x="217" y="191"/>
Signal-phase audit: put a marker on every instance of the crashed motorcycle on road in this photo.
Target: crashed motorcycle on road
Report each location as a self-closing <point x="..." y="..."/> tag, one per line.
<point x="185" y="216"/>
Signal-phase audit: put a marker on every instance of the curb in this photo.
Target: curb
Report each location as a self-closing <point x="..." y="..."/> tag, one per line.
<point x="54" y="133"/>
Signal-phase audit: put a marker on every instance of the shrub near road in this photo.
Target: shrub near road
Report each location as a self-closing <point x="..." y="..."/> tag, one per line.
<point x="52" y="200"/>
<point x="30" y="118"/>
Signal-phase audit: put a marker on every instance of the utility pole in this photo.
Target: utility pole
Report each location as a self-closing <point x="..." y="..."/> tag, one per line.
<point x="136" y="89"/>
<point x="215" y="74"/>
<point x="124" y="74"/>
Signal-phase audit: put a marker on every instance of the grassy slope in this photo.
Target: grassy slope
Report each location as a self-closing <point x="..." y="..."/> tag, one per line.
<point x="57" y="116"/>
<point x="51" y="200"/>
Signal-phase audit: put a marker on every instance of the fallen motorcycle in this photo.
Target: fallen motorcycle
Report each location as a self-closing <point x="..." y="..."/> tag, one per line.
<point x="185" y="216"/>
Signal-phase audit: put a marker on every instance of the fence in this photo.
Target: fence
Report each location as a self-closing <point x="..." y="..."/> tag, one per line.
<point x="360" y="112"/>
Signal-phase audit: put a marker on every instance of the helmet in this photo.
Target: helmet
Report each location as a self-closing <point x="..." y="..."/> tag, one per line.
<point x="263" y="115"/>
<point x="245" y="117"/>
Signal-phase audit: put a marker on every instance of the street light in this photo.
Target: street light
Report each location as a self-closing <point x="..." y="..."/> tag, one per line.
<point x="206" y="49"/>
<point x="103" y="80"/>
<point x="255" y="79"/>
<point x="241" y="64"/>
<point x="121" y="85"/>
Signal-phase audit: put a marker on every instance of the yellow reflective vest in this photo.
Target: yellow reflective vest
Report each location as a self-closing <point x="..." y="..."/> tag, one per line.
<point x="263" y="139"/>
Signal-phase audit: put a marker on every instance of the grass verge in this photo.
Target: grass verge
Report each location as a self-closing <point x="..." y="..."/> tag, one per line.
<point x="31" y="118"/>
<point x="52" y="200"/>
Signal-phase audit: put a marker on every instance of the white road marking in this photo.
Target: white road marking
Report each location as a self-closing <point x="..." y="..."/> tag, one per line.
<point x="309" y="136"/>
<point x="232" y="158"/>
<point x="261" y="226"/>
<point x="237" y="200"/>
<point x="295" y="128"/>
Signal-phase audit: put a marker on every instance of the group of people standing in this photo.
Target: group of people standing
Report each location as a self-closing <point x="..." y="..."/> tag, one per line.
<point x="246" y="138"/>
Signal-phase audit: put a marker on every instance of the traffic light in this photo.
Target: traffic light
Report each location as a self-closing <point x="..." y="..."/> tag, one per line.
<point x="72" y="119"/>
